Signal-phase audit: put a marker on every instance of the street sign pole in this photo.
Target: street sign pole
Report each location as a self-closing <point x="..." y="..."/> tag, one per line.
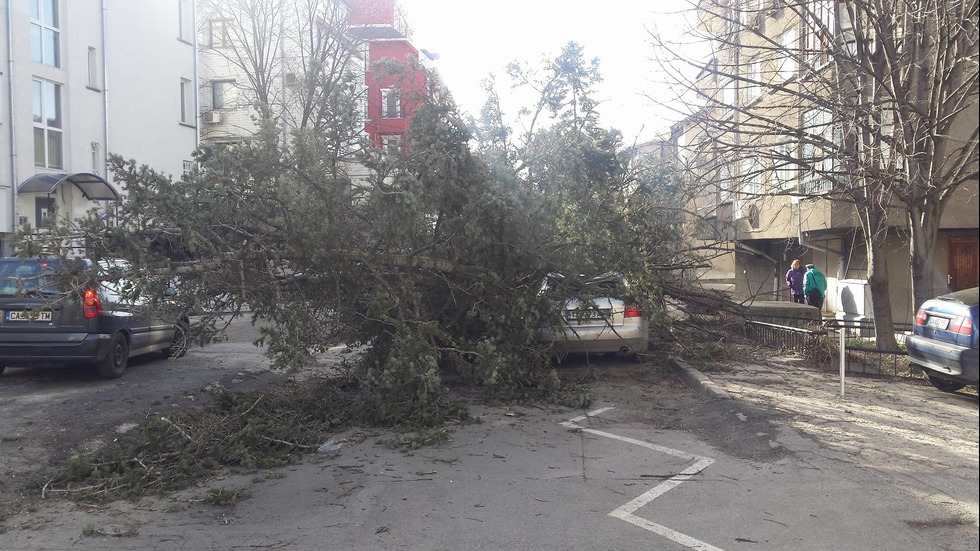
<point x="842" y="353"/>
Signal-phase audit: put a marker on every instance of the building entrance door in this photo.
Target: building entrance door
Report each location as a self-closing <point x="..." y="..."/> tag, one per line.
<point x="964" y="262"/>
<point x="43" y="209"/>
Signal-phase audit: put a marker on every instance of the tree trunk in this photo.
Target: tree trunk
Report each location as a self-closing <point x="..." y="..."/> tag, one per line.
<point x="875" y="232"/>
<point x="924" y="225"/>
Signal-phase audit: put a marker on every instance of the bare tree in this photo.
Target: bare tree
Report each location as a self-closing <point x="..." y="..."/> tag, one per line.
<point x="298" y="64"/>
<point x="870" y="104"/>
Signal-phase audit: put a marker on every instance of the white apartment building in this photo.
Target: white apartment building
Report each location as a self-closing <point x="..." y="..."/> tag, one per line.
<point x="83" y="79"/>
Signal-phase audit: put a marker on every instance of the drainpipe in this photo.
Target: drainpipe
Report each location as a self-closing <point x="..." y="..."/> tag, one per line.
<point x="10" y="109"/>
<point x="105" y="96"/>
<point x="197" y="93"/>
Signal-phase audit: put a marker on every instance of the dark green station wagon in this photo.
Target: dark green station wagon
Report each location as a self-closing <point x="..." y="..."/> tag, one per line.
<point x="44" y="323"/>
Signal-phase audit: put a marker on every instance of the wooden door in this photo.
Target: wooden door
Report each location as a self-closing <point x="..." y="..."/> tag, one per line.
<point x="964" y="263"/>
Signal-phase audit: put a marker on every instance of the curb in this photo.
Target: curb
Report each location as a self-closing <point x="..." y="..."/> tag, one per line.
<point x="698" y="381"/>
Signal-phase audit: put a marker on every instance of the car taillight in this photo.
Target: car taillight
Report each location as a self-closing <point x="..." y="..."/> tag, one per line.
<point x="632" y="312"/>
<point x="920" y="317"/>
<point x="962" y="326"/>
<point x="91" y="307"/>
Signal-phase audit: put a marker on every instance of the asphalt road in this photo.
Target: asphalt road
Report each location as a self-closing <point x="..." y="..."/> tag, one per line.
<point x="649" y="465"/>
<point x="48" y="415"/>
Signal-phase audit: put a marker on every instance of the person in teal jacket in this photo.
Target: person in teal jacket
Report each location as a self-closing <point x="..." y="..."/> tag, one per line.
<point x="814" y="286"/>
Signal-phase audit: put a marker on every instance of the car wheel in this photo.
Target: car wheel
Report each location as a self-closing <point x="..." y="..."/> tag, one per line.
<point x="943" y="384"/>
<point x="178" y="344"/>
<point x="115" y="362"/>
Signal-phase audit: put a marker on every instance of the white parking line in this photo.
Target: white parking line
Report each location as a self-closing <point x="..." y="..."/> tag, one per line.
<point x="625" y="512"/>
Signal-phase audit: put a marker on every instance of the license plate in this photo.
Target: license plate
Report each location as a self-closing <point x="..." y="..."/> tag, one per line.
<point x="30" y="315"/>
<point x="586" y="315"/>
<point x="937" y="322"/>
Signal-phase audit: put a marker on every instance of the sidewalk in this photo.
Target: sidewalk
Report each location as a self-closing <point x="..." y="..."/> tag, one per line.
<point x="903" y="428"/>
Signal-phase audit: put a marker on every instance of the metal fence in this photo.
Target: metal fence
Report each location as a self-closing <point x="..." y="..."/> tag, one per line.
<point x="808" y="342"/>
<point x="862" y="356"/>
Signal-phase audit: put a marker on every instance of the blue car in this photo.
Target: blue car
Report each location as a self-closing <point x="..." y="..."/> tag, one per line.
<point x="944" y="340"/>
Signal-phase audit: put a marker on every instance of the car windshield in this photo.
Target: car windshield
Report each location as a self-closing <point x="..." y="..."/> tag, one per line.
<point x="29" y="276"/>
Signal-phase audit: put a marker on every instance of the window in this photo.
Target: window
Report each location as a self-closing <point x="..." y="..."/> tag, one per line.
<point x="96" y="158"/>
<point x="754" y="216"/>
<point x="189" y="167"/>
<point x="362" y="107"/>
<point x="784" y="167"/>
<point x="787" y="66"/>
<point x="46" y="111"/>
<point x="820" y="149"/>
<point x="890" y="135"/>
<point x="820" y="24"/>
<point x="706" y="228"/>
<point x="729" y="95"/>
<point x="391" y="105"/>
<point x="93" y="68"/>
<point x="749" y="12"/>
<point x="753" y="88"/>
<point x="224" y="95"/>
<point x="390" y="144"/>
<point x="725" y="185"/>
<point x="681" y="141"/>
<point x="751" y="177"/>
<point x="45" y="32"/>
<point x="185" y="20"/>
<point x="186" y="101"/>
<point x="365" y="51"/>
<point x="218" y="34"/>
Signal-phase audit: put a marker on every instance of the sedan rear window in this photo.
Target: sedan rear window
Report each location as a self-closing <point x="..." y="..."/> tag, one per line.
<point x="27" y="276"/>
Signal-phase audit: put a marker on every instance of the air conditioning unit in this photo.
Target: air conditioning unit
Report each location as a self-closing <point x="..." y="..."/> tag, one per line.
<point x="212" y="117"/>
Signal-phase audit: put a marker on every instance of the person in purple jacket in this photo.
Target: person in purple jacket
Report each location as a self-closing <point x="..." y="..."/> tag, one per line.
<point x="794" y="280"/>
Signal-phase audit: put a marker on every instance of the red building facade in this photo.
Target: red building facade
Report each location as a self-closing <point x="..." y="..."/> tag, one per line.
<point x="396" y="82"/>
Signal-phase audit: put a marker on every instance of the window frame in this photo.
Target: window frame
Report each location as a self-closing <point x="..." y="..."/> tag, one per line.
<point x="186" y="102"/>
<point x="787" y="66"/>
<point x="391" y="144"/>
<point x="185" y="21"/>
<point x="823" y="21"/>
<point x="784" y="172"/>
<point x="818" y="122"/>
<point x="93" y="68"/>
<point x="51" y="128"/>
<point x="45" y="18"/>
<point x="751" y="171"/>
<point x="749" y="12"/>
<point x="228" y="103"/>
<point x="729" y="99"/>
<point x="387" y="103"/>
<point x="222" y="25"/>
<point x="753" y="78"/>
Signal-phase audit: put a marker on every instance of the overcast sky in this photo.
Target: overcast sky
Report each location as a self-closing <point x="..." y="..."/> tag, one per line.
<point x="477" y="37"/>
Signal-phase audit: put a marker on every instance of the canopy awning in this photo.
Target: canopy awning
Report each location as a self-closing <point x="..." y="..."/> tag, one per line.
<point x="92" y="186"/>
